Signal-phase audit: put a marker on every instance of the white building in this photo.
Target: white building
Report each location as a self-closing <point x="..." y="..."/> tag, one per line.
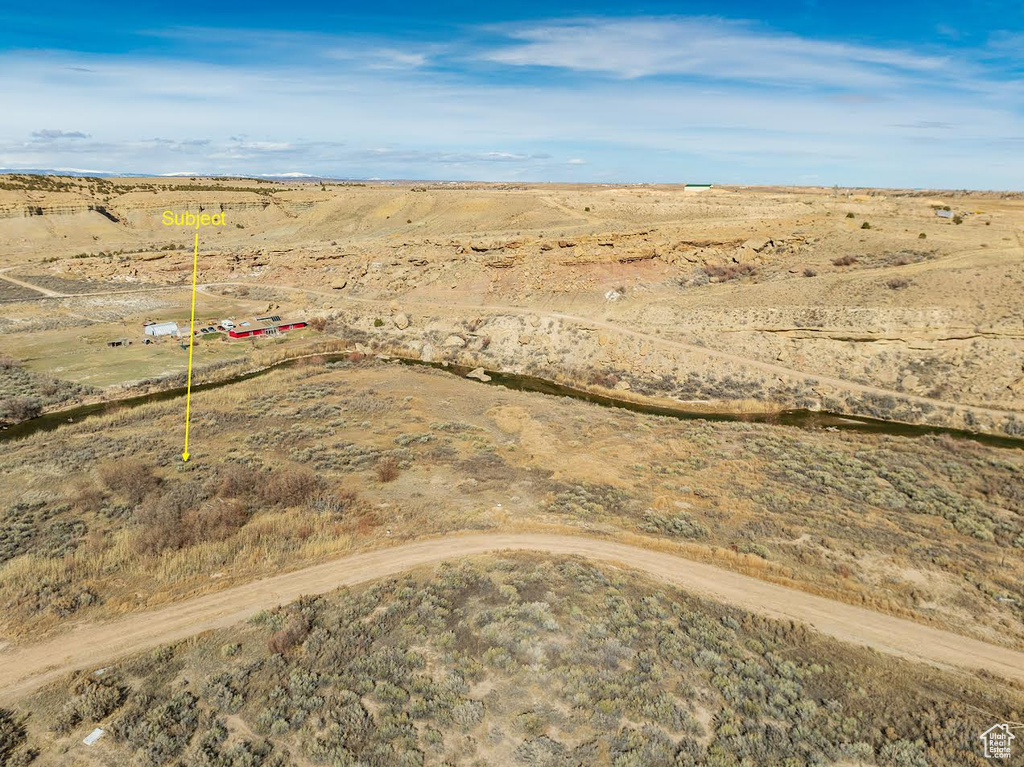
<point x="162" y="329"/>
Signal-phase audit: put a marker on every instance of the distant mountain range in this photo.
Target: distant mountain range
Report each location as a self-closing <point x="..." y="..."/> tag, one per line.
<point x="79" y="172"/>
<point x="66" y="172"/>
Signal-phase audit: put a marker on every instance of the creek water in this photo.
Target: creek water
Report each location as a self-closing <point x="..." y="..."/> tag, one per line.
<point x="805" y="419"/>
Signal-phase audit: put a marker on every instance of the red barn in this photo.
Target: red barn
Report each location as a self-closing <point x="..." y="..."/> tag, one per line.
<point x="262" y="328"/>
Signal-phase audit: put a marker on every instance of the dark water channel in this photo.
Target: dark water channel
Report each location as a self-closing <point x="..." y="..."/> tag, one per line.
<point x="805" y="419"/>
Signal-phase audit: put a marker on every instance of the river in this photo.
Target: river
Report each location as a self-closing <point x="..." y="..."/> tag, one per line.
<point x="805" y="419"/>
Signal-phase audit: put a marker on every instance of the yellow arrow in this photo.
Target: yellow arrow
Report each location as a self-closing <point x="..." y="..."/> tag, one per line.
<point x="191" y="341"/>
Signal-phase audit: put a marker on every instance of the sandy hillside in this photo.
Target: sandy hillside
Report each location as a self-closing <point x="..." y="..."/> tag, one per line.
<point x="791" y="293"/>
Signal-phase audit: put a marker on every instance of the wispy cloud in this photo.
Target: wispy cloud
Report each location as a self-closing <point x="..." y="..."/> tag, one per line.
<point x="54" y="135"/>
<point x="407" y="156"/>
<point x="218" y="44"/>
<point x="640" y="99"/>
<point x="710" y="48"/>
<point x="380" y="58"/>
<point x="1005" y="41"/>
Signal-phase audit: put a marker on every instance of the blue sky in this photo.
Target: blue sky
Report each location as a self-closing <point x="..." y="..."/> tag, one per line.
<point x="875" y="94"/>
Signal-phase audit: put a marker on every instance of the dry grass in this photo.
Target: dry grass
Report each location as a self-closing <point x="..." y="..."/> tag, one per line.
<point x="727" y="272"/>
<point x="281" y="483"/>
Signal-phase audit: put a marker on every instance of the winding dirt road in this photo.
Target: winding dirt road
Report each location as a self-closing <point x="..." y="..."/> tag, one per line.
<point x="23" y="669"/>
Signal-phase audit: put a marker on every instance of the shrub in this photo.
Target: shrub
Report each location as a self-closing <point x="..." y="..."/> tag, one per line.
<point x="216" y="521"/>
<point x="159" y="729"/>
<point x="337" y="502"/>
<point x="387" y="469"/>
<point x="754" y="548"/>
<point x="727" y="272"/>
<point x="129" y="478"/>
<point x="468" y="714"/>
<point x="85" y="496"/>
<point x="1013" y="427"/>
<point x="21" y="409"/>
<point x="604" y="379"/>
<point x="681" y="524"/>
<point x="92" y="701"/>
<point x="287" y="486"/>
<point x="846" y="260"/>
<point x="850" y="215"/>
<point x="897" y="283"/>
<point x="922" y="236"/>
<point x="378" y="323"/>
<point x="958" y="219"/>
<point x="235" y="481"/>
<point x="586" y="209"/>
<point x="12" y="734"/>
<point x="590" y="501"/>
<point x="904" y="753"/>
<point x="318" y="323"/>
<point x="865" y="225"/>
<point x="295" y="632"/>
<point x="162" y="518"/>
<point x="808" y="272"/>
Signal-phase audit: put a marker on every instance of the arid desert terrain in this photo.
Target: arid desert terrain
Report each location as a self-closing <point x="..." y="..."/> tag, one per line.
<point x="536" y="475"/>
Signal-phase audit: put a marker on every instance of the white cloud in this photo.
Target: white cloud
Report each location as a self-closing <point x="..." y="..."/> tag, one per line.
<point x="395" y="156"/>
<point x="380" y="58"/>
<point x="269" y="44"/>
<point x="708" y="48"/>
<point x="651" y="108"/>
<point x="54" y="135"/>
<point x="1007" y="43"/>
<point x="265" y="146"/>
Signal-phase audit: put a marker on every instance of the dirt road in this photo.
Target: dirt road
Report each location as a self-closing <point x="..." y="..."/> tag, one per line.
<point x="90" y="646"/>
<point x="21" y="283"/>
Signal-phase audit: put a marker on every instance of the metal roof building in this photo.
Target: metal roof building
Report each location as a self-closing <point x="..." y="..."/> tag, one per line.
<point x="162" y="329"/>
<point x="264" y="327"/>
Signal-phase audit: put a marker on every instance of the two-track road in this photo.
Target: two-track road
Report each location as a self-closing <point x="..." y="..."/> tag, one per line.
<point x="22" y="669"/>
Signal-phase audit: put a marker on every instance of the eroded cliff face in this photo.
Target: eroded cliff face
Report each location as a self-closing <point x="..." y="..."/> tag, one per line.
<point x="581" y="354"/>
